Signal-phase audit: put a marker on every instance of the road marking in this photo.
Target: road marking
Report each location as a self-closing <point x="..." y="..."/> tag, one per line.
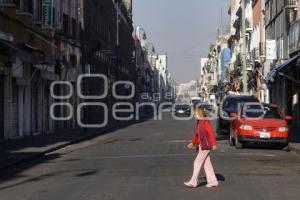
<point x="172" y="155"/>
<point x="250" y="154"/>
<point x="177" y="141"/>
<point x="141" y="156"/>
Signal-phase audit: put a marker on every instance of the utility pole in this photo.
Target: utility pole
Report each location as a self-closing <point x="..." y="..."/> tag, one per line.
<point x="244" y="59"/>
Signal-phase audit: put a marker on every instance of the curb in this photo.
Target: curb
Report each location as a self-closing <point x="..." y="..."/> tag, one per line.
<point x="43" y="153"/>
<point x="88" y="135"/>
<point x="294" y="149"/>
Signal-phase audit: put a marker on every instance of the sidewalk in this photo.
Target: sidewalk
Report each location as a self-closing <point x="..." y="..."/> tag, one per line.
<point x="19" y="151"/>
<point x="295" y="140"/>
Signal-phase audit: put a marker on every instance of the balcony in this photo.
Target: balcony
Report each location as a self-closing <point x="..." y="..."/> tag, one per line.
<point x="66" y="24"/>
<point x="294" y="37"/>
<point x="291" y="3"/>
<point x="256" y="55"/>
<point x="239" y="60"/>
<point x="9" y="3"/>
<point x="262" y="49"/>
<point x="249" y="27"/>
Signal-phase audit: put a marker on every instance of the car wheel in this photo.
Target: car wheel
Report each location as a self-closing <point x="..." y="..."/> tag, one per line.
<point x="238" y="144"/>
<point x="284" y="147"/>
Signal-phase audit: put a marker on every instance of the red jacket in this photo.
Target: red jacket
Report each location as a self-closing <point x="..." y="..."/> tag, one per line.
<point x="209" y="130"/>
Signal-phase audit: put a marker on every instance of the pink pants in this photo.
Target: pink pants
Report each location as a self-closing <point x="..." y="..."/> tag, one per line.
<point x="203" y="157"/>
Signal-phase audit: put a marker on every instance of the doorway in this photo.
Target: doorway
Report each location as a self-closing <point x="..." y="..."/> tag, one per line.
<point x="1" y="107"/>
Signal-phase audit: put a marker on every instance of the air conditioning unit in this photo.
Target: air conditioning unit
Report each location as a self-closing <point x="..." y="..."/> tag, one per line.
<point x="255" y="55"/>
<point x="249" y="27"/>
<point x="249" y="66"/>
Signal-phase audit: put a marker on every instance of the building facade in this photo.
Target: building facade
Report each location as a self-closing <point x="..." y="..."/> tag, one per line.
<point x="162" y="67"/>
<point x="46" y="51"/>
<point x="258" y="56"/>
<point x="60" y="40"/>
<point x="272" y="61"/>
<point x="107" y="50"/>
<point x="283" y="76"/>
<point x="236" y="43"/>
<point x="145" y="58"/>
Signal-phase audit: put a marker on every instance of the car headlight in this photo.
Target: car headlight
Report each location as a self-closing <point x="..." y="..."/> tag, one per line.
<point x="283" y="129"/>
<point x="246" y="127"/>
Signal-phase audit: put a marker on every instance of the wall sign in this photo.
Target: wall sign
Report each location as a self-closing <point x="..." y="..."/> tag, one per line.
<point x="271" y="50"/>
<point x="47" y="13"/>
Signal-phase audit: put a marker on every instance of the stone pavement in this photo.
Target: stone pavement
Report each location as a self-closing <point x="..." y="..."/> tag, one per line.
<point x="149" y="161"/>
<point x="14" y="152"/>
<point x="19" y="151"/>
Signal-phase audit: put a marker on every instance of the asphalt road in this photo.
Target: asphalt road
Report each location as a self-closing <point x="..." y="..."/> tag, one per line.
<point x="149" y="161"/>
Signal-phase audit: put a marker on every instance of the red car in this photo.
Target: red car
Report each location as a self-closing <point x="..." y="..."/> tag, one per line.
<point x="259" y="123"/>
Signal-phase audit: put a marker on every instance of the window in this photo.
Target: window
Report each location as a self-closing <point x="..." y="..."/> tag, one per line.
<point x="74" y="8"/>
<point x="266" y="112"/>
<point x="27" y="6"/>
<point x="65" y="6"/>
<point x="37" y="10"/>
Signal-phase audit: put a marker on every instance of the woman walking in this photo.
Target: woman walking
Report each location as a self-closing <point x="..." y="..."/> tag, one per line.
<point x="204" y="140"/>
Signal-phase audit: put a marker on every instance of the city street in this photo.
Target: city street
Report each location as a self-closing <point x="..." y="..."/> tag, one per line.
<point x="149" y="160"/>
<point x="80" y="79"/>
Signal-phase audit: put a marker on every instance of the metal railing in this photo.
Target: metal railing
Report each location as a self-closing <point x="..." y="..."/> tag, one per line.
<point x="291" y="2"/>
<point x="9" y="3"/>
<point x="256" y="54"/>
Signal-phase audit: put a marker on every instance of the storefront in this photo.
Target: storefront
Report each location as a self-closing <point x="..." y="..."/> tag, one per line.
<point x="284" y="82"/>
<point x="17" y="110"/>
<point x="1" y="106"/>
<point x="3" y="72"/>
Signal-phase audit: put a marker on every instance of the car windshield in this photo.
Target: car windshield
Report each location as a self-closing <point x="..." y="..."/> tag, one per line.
<point x="182" y="107"/>
<point x="232" y="104"/>
<point x="205" y="106"/>
<point x="196" y="102"/>
<point x="262" y="111"/>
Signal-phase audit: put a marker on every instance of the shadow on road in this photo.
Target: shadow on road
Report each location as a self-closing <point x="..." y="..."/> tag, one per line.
<point x="19" y="155"/>
<point x="220" y="177"/>
<point x="262" y="146"/>
<point x="222" y="137"/>
<point x="14" y="173"/>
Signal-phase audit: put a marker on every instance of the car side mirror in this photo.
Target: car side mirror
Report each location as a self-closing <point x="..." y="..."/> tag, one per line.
<point x="234" y="115"/>
<point x="288" y="118"/>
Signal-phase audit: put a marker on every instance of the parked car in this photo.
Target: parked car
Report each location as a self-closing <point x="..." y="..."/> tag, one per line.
<point x="195" y="101"/>
<point x="230" y="105"/>
<point x="182" y="110"/>
<point x="264" y="123"/>
<point x="206" y="106"/>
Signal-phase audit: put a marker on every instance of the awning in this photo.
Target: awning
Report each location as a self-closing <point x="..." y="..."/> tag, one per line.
<point x="239" y="12"/>
<point x="24" y="55"/>
<point x="272" y="74"/>
<point x="47" y="72"/>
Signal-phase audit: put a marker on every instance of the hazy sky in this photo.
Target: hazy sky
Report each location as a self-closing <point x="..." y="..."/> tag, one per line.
<point x="181" y="28"/>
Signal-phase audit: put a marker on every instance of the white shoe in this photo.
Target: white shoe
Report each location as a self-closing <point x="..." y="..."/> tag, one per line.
<point x="209" y="185"/>
<point x="189" y="185"/>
